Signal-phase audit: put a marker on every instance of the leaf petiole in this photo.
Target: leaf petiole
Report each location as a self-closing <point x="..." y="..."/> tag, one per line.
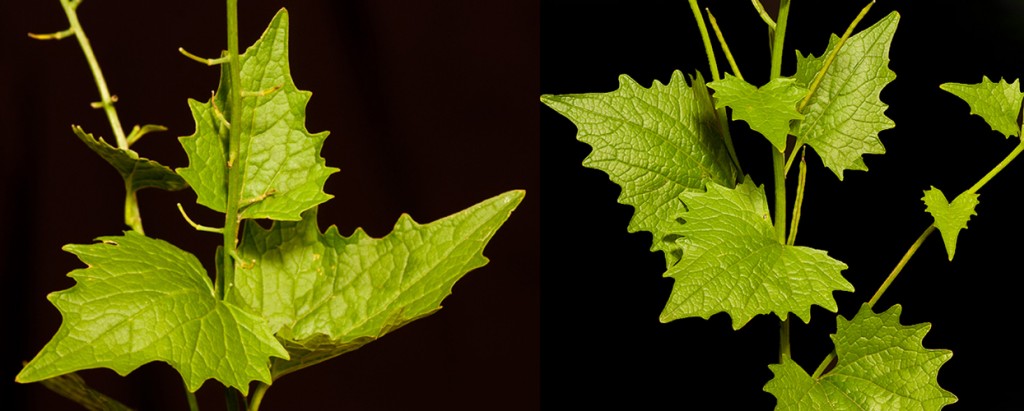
<point x="206" y="61"/>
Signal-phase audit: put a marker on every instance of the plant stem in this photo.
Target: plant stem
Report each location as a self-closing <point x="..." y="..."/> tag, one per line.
<point x="257" y="396"/>
<point x="234" y="183"/>
<point x="920" y="240"/>
<point x="780" y="39"/>
<point x="779" y="163"/>
<point x="706" y="38"/>
<point x="723" y="121"/>
<point x="190" y="396"/>
<point x="799" y="202"/>
<point x="132" y="217"/>
<point x="881" y="290"/>
<point x="821" y="73"/>
<point x="725" y="46"/>
<point x="97" y="74"/>
<point x="764" y="14"/>
<point x="899" y="266"/>
<point x="999" y="167"/>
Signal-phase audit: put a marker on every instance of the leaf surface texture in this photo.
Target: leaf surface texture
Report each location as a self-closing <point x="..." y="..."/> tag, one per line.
<point x="732" y="262"/>
<point x="882" y="365"/>
<point x="142" y="300"/>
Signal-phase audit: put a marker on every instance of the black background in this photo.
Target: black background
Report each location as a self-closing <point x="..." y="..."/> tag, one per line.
<point x="602" y="341"/>
<point x="431" y="107"/>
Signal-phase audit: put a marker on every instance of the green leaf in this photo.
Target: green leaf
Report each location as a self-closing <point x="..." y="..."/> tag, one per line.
<point x="950" y="218"/>
<point x="283" y="173"/>
<point x="326" y="294"/>
<point x="843" y="117"/>
<point x="882" y="365"/>
<point x="142" y="300"/>
<point x="768" y="109"/>
<point x="732" y="262"/>
<point x="997" y="103"/>
<point x="137" y="172"/>
<point x="654" y="143"/>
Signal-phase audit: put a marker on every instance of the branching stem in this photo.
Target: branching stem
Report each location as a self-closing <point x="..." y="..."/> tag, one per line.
<point x="917" y="244"/>
<point x="132" y="217"/>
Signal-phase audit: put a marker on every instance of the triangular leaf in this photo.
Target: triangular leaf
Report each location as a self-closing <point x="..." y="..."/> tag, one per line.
<point x="138" y="172"/>
<point x="882" y="365"/>
<point x="997" y="103"/>
<point x="653" y="142"/>
<point x="732" y="262"/>
<point x="280" y="160"/>
<point x="142" y="300"/>
<point x="950" y="218"/>
<point x="326" y="294"/>
<point x="843" y="117"/>
<point x="768" y="110"/>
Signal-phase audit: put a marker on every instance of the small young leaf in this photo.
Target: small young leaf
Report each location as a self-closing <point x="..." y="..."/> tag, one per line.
<point x="844" y="116"/>
<point x="653" y="142"/>
<point x="732" y="262"/>
<point x="142" y="300"/>
<point x="768" y="109"/>
<point x="137" y="172"/>
<point x="950" y="218"/>
<point x="881" y="365"/>
<point x="325" y="294"/>
<point x="997" y="103"/>
<point x="280" y="160"/>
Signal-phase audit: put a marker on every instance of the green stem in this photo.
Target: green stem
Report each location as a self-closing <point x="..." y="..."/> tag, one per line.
<point x="97" y="74"/>
<point x="234" y="183"/>
<point x="706" y="38"/>
<point x="899" y="266"/>
<point x="132" y="217"/>
<point x="779" y="163"/>
<point x="725" y="46"/>
<point x="780" y="39"/>
<point x="190" y="396"/>
<point x="999" y="167"/>
<point x="764" y="15"/>
<point x="257" y="396"/>
<point x="920" y="240"/>
<point x="821" y="73"/>
<point x="799" y="202"/>
<point x="723" y="121"/>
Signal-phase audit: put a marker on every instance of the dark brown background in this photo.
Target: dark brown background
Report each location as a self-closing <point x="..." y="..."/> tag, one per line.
<point x="432" y="107"/>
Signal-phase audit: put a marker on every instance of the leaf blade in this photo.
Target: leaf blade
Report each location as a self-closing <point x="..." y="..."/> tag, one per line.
<point x="654" y="143"/>
<point x="324" y="294"/>
<point x="733" y="263"/>
<point x="137" y="172"/>
<point x="999" y="104"/>
<point x="950" y="218"/>
<point x="142" y="300"/>
<point x="882" y="364"/>
<point x="768" y="109"/>
<point x="844" y="116"/>
<point x="283" y="172"/>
